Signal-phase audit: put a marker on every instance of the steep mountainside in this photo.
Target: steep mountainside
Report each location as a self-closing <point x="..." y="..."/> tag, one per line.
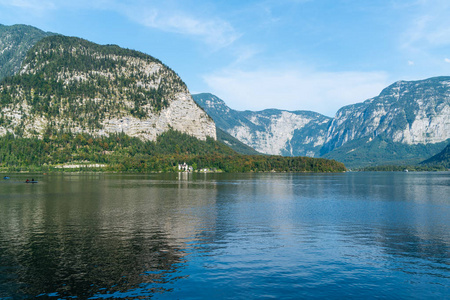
<point x="70" y="83"/>
<point x="271" y="131"/>
<point x="441" y="159"/>
<point x="234" y="143"/>
<point x="406" y="123"/>
<point x="415" y="112"/>
<point x="15" y="41"/>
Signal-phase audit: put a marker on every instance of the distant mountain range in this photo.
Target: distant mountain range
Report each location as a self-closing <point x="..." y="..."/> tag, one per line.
<point x="408" y="122"/>
<point x="271" y="131"/>
<point x="49" y="81"/>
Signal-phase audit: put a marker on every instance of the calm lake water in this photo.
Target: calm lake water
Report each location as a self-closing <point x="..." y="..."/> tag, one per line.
<point x="226" y="236"/>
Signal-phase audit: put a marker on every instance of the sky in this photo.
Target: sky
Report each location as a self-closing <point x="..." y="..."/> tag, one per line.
<point x="316" y="55"/>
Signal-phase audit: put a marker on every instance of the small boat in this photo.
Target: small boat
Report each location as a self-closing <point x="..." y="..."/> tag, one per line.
<point x="31" y="181"/>
<point x="6" y="177"/>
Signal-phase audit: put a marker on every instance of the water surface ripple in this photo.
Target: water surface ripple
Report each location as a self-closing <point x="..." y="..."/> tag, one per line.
<point x="226" y="236"/>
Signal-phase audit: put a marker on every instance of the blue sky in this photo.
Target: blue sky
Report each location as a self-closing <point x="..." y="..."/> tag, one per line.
<point x="314" y="55"/>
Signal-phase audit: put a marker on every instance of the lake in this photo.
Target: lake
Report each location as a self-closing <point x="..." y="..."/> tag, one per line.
<point x="226" y="236"/>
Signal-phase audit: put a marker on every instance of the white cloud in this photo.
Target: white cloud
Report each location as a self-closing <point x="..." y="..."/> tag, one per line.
<point x="161" y="15"/>
<point x="447" y="60"/>
<point x="410" y="62"/>
<point x="215" y="32"/>
<point x="292" y="89"/>
<point x="37" y="7"/>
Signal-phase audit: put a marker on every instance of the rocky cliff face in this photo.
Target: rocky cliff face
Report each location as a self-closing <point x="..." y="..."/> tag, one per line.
<point x="411" y="117"/>
<point x="415" y="112"/>
<point x="272" y="131"/>
<point x="72" y="84"/>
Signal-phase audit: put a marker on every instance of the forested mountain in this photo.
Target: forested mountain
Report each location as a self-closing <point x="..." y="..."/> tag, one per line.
<point x="15" y="41"/>
<point x="72" y="84"/>
<point x="75" y="85"/>
<point x="440" y="159"/>
<point x="406" y="123"/>
<point x="76" y="104"/>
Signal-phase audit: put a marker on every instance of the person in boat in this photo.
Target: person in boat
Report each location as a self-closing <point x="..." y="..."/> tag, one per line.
<point x="27" y="180"/>
<point x="32" y="179"/>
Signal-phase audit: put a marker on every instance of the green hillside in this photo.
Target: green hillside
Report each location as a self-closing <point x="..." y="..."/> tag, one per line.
<point x="382" y="151"/>
<point x="65" y="78"/>
<point x="440" y="159"/>
<point x="121" y="153"/>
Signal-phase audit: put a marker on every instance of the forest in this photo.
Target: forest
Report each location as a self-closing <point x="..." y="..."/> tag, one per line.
<point x="122" y="153"/>
<point x="403" y="168"/>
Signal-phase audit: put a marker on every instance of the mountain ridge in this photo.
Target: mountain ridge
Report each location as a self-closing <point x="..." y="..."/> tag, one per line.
<point x="257" y="129"/>
<point x="77" y="103"/>
<point x="15" y="41"/>
<point x="153" y="99"/>
<point x="412" y="112"/>
<point x="69" y="82"/>
<point x="405" y="115"/>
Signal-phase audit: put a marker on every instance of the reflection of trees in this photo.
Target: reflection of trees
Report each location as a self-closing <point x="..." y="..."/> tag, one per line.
<point x="87" y="237"/>
<point x="82" y="263"/>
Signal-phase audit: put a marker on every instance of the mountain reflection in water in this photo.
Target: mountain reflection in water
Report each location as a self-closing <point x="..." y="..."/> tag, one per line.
<point x="226" y="236"/>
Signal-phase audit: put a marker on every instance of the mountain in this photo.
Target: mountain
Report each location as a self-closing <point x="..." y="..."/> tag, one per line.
<point x="271" y="131"/>
<point x="408" y="122"/>
<point x="234" y="143"/>
<point x="441" y="159"/>
<point x="381" y="150"/>
<point x="15" y="41"/>
<point x="414" y="112"/>
<point x="83" y="106"/>
<point x="75" y="85"/>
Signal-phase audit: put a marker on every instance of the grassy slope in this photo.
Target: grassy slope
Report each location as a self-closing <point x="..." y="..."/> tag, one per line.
<point x="380" y="151"/>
